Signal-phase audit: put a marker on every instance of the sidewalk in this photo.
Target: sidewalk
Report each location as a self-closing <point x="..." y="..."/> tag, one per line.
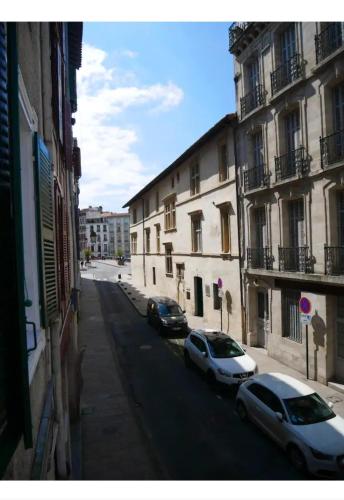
<point x="113" y="446"/>
<point x="264" y="362"/>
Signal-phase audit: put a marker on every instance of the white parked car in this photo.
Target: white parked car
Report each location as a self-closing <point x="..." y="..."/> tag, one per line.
<point x="219" y="356"/>
<point x="298" y="419"/>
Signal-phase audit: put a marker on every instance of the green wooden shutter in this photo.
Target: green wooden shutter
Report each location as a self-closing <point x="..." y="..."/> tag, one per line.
<point x="45" y="231"/>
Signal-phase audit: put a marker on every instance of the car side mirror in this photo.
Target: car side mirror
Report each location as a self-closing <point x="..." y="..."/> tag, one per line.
<point x="330" y="404"/>
<point x="279" y="416"/>
<point x="204" y="354"/>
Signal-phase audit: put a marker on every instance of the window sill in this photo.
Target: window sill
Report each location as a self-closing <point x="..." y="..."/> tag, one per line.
<point x="172" y="230"/>
<point x="169" y="275"/>
<point x="289" y="86"/>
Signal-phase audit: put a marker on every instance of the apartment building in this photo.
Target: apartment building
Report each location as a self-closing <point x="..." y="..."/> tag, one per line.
<point x="39" y="173"/>
<point x="184" y="232"/>
<point x="289" y="81"/>
<point x="119" y="245"/>
<point x="106" y="234"/>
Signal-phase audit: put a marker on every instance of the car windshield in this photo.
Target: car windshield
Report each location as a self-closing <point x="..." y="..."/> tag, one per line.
<point x="308" y="410"/>
<point x="224" y="348"/>
<point x="169" y="309"/>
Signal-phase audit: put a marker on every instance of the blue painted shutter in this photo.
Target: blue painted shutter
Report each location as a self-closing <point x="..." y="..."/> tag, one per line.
<point x="45" y="226"/>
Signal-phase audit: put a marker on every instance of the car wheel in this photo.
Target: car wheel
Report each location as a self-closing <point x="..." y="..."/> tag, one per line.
<point x="297" y="458"/>
<point x="241" y="410"/>
<point x="211" y="379"/>
<point x="187" y="359"/>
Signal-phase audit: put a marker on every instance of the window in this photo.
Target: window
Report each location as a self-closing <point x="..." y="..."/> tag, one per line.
<point x="157" y="201"/>
<point x="267" y="397"/>
<point x="180" y="271"/>
<point x="147" y="210"/>
<point x="105" y="237"/>
<point x="172" y="182"/>
<point x="292" y="131"/>
<point x="197" y="342"/>
<point x="225" y="229"/>
<point x="98" y="228"/>
<point x="170" y="214"/>
<point x="105" y="248"/>
<point x="98" y="237"/>
<point x="91" y="229"/>
<point x="196" y="231"/>
<point x="223" y="163"/>
<point x="291" y="326"/>
<point x="134" y="215"/>
<point x="157" y="228"/>
<point x="104" y="228"/>
<point x="194" y="179"/>
<point x="99" y="248"/>
<point x="154" y="276"/>
<point x="147" y="231"/>
<point x="133" y="238"/>
<point x="168" y="259"/>
<point x="177" y="176"/>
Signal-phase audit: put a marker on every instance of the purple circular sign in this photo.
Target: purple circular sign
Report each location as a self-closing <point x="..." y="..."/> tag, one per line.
<point x="219" y="282"/>
<point x="305" y="305"/>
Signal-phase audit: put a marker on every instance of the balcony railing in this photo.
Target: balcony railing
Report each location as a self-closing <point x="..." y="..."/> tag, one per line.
<point x="286" y="73"/>
<point x="334" y="260"/>
<point x="292" y="163"/>
<point x="255" y="178"/>
<point x="252" y="100"/>
<point x="332" y="148"/>
<point x="329" y="40"/>
<point x="235" y="32"/>
<point x="294" y="259"/>
<point x="259" y="258"/>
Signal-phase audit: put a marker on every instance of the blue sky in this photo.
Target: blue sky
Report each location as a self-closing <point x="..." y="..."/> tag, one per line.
<point x="146" y="92"/>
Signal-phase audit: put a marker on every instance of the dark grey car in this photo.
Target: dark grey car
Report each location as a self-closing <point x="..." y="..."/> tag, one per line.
<point x="166" y="315"/>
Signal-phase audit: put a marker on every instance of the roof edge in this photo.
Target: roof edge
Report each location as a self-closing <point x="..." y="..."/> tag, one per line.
<point x="226" y="120"/>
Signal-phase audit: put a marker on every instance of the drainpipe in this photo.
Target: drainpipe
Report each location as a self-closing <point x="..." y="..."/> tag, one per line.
<point x="240" y="220"/>
<point x="143" y="244"/>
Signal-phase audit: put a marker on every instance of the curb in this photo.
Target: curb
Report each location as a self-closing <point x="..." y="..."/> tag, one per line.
<point x="129" y="298"/>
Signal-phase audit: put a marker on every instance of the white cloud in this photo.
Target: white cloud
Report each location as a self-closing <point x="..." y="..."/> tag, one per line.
<point x="129" y="53"/>
<point x="111" y="171"/>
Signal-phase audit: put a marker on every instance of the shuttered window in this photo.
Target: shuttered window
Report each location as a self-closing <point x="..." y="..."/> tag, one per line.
<point x="15" y="412"/>
<point x="45" y="224"/>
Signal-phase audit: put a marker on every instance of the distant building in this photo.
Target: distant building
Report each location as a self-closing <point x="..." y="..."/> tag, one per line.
<point x="106" y="234"/>
<point x="184" y="231"/>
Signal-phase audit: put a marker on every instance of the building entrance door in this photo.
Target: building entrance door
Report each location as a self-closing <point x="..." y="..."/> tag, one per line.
<point x="339" y="359"/>
<point x="262" y="317"/>
<point x="198" y="282"/>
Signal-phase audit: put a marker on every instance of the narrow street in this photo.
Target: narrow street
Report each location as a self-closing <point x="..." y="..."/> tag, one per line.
<point x="192" y="430"/>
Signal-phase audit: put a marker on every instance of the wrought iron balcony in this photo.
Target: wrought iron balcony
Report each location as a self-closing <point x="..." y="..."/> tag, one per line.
<point x="294" y="259"/>
<point x="255" y="178"/>
<point x="252" y="100"/>
<point x="329" y="40"/>
<point x="286" y="73"/>
<point x="292" y="163"/>
<point x="334" y="260"/>
<point x="235" y="31"/>
<point x="332" y="148"/>
<point x="259" y="258"/>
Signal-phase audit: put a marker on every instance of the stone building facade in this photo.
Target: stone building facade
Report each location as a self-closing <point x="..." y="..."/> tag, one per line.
<point x="184" y="233"/>
<point x="289" y="80"/>
<point x="39" y="173"/>
<point x="110" y="232"/>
